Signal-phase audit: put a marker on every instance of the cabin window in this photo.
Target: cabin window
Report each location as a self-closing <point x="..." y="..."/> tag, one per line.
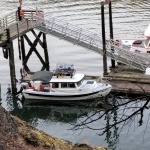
<point x="90" y="82"/>
<point x="64" y="85"/>
<point x="55" y="85"/>
<point x="71" y="85"/>
<point x="67" y="85"/>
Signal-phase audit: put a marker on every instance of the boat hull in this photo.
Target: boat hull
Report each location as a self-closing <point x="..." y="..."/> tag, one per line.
<point x="42" y="98"/>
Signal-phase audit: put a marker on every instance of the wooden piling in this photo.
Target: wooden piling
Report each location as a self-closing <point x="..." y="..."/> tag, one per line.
<point x="111" y="32"/>
<point x="22" y="48"/>
<point x="103" y="39"/>
<point x="11" y="62"/>
<point x="45" y="52"/>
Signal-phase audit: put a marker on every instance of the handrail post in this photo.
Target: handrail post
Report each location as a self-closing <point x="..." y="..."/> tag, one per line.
<point x="27" y="24"/>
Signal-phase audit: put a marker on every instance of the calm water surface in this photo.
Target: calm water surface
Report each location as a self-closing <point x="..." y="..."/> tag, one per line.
<point x="130" y="19"/>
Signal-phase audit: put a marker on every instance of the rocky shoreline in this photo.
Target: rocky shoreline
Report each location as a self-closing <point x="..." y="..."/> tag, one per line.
<point x="16" y="134"/>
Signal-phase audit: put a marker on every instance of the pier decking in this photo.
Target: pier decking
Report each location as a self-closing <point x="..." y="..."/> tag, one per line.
<point x="16" y="29"/>
<point x="125" y="79"/>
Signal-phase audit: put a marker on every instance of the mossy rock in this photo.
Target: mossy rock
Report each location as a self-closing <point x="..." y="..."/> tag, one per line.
<point x="18" y="134"/>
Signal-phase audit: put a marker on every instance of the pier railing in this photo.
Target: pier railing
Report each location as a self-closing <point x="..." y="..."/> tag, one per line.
<point x="16" y="27"/>
<point x="8" y="19"/>
<point x="91" y="41"/>
<point x="76" y="35"/>
<point x="124" y="55"/>
<point x="68" y="31"/>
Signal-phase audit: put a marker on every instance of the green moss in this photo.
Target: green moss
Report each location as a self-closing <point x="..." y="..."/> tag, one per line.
<point x="41" y="139"/>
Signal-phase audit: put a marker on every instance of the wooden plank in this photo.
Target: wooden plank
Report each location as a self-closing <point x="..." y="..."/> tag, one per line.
<point x="23" y="27"/>
<point x="127" y="87"/>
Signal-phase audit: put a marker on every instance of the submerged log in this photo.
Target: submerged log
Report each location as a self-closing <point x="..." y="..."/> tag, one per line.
<point x="17" y="134"/>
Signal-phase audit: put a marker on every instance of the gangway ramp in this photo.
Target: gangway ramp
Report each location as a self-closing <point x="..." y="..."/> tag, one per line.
<point x="91" y="41"/>
<point x="71" y="33"/>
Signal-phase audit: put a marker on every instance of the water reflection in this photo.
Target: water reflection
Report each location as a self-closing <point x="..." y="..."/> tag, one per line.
<point x="112" y="135"/>
<point x="13" y="101"/>
<point x="109" y="120"/>
<point x="61" y="114"/>
<point x="32" y="114"/>
<point x="52" y="113"/>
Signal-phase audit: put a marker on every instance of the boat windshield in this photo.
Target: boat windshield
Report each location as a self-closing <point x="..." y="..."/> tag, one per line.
<point x="79" y="83"/>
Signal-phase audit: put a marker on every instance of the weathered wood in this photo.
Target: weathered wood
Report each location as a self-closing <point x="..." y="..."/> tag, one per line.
<point x="45" y="52"/>
<point x="11" y="62"/>
<point x="11" y="29"/>
<point x="40" y="42"/>
<point x="22" y="48"/>
<point x="33" y="45"/>
<point x="125" y="79"/>
<point x="24" y="26"/>
<point x="111" y="32"/>
<point x="103" y="39"/>
<point x="19" y="48"/>
<point x="33" y="49"/>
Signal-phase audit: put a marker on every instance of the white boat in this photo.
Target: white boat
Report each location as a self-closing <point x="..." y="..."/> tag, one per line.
<point x="63" y="87"/>
<point x="139" y="46"/>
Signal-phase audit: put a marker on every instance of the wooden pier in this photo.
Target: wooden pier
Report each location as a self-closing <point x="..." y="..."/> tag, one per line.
<point x="123" y="78"/>
<point x="13" y="26"/>
<point x="128" y="80"/>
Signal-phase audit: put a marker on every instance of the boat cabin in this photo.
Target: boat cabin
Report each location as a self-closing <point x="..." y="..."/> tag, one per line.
<point x="60" y="82"/>
<point x="66" y="81"/>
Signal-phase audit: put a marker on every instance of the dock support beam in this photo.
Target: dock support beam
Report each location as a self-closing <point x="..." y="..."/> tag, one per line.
<point x="104" y="39"/>
<point x="11" y="62"/>
<point x="111" y="32"/>
<point x="45" y="52"/>
<point x="33" y="48"/>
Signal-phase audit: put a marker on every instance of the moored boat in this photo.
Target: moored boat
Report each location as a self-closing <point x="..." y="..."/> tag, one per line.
<point x="138" y="46"/>
<point x="63" y="86"/>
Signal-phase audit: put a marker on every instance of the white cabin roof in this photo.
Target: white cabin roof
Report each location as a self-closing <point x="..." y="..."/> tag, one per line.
<point x="75" y="78"/>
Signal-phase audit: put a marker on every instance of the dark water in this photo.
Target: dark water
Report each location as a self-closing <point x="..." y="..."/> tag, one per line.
<point x="130" y="19"/>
